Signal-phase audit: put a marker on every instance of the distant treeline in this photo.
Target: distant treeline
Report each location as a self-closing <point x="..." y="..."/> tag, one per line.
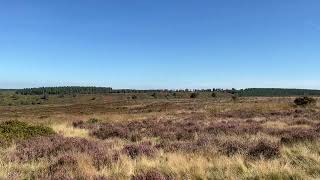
<point x="103" y="90"/>
<point x="270" y="92"/>
<point x="165" y="90"/>
<point x="275" y="92"/>
<point x="64" y="90"/>
<point x="7" y="90"/>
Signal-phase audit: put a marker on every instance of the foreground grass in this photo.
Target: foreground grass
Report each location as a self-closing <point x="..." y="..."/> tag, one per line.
<point x="179" y="166"/>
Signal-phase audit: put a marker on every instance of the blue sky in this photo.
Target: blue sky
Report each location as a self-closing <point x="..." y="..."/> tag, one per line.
<point x="160" y="43"/>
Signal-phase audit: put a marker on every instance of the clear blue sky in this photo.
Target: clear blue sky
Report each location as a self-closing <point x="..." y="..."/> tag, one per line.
<point x="160" y="43"/>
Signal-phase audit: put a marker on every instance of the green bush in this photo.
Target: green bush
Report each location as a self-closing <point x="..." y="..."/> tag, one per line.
<point x="16" y="130"/>
<point x="93" y="121"/>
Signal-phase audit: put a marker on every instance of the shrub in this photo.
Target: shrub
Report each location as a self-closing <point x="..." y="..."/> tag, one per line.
<point x="50" y="147"/>
<point x="104" y="178"/>
<point x="298" y="135"/>
<point x="16" y="130"/>
<point x="235" y="97"/>
<point x="174" y="146"/>
<point x="264" y="149"/>
<point x="135" y="137"/>
<point x="135" y="151"/>
<point x="184" y="135"/>
<point x="152" y="174"/>
<point x="317" y="128"/>
<point x="154" y="95"/>
<point x="45" y="96"/>
<point x="78" y="124"/>
<point x="66" y="167"/>
<point x="194" y="95"/>
<point x="303" y="101"/>
<point x="107" y="130"/>
<point x="235" y="127"/>
<point x="232" y="147"/>
<point x="93" y="121"/>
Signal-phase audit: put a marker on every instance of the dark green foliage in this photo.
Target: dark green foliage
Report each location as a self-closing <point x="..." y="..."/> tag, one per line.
<point x="303" y="101"/>
<point x="93" y="121"/>
<point x="64" y="90"/>
<point x="271" y="92"/>
<point x="71" y="90"/>
<point x="134" y="97"/>
<point x="194" y="95"/>
<point x="16" y="130"/>
<point x="154" y="95"/>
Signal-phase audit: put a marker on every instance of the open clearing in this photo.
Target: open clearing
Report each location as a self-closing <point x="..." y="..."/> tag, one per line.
<point x="113" y="137"/>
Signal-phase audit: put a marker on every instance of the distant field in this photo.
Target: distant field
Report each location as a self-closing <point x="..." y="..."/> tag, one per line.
<point x="162" y="136"/>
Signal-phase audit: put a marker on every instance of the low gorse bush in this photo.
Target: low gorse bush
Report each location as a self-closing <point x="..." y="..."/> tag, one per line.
<point x="16" y="130"/>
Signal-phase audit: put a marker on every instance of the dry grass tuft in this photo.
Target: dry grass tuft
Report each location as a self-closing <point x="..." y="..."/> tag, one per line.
<point x="69" y="131"/>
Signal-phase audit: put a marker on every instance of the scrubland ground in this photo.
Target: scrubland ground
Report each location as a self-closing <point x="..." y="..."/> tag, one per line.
<point x="108" y="137"/>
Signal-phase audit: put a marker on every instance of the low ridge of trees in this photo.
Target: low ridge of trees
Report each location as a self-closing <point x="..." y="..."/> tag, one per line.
<point x="266" y="92"/>
<point x="271" y="92"/>
<point x="64" y="90"/>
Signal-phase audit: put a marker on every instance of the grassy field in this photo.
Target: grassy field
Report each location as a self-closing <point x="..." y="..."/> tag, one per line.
<point x="120" y="137"/>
